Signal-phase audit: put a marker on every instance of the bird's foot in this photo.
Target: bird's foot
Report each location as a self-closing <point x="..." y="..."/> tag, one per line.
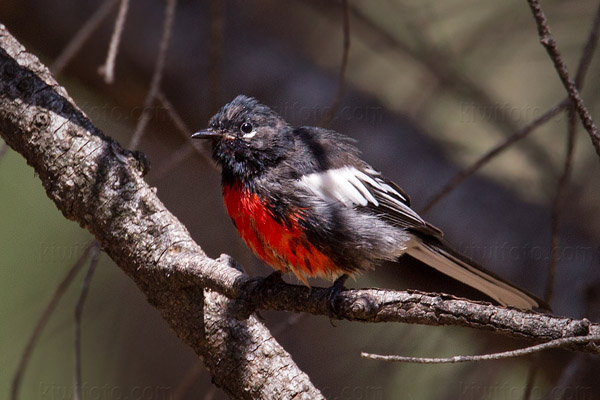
<point x="252" y="292"/>
<point x="333" y="293"/>
<point x="274" y="277"/>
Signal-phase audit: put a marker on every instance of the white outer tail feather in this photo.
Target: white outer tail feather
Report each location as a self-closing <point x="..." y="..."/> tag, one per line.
<point x="446" y="263"/>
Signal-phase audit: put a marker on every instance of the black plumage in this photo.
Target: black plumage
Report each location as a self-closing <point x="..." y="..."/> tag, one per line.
<point x="346" y="209"/>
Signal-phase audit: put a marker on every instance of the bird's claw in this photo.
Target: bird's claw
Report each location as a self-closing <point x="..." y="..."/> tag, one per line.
<point x="253" y="290"/>
<point x="333" y="293"/>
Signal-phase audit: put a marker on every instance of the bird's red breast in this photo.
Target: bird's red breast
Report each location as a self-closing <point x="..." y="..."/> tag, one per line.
<point x="282" y="245"/>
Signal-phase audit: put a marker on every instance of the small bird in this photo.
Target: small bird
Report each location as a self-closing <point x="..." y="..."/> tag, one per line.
<point x="305" y="202"/>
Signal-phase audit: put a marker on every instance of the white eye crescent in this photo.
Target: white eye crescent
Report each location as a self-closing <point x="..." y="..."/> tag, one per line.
<point x="248" y="130"/>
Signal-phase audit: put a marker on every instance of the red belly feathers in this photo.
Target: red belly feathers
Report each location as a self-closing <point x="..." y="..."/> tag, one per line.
<point x="282" y="246"/>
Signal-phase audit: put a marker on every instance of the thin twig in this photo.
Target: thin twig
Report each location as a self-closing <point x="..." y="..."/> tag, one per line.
<point x="43" y="320"/>
<point x="108" y="69"/>
<point x="433" y="59"/>
<point x="185" y="150"/>
<point x="343" y="67"/>
<point x="94" y="257"/>
<point x="157" y="75"/>
<point x="175" y="117"/>
<point x="588" y="51"/>
<point x="553" y="344"/>
<point x="582" y="69"/>
<point x="515" y="137"/>
<point x="558" y="202"/>
<point x="557" y="206"/>
<point x="82" y="35"/>
<point x="549" y="43"/>
<point x="215" y="52"/>
<point x="163" y="249"/>
<point x="174" y="159"/>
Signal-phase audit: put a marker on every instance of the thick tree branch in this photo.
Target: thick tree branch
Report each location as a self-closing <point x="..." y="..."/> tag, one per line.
<point x="414" y="307"/>
<point x="95" y="182"/>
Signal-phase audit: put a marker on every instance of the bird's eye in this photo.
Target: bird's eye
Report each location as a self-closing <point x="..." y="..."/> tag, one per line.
<point x="246" y="127"/>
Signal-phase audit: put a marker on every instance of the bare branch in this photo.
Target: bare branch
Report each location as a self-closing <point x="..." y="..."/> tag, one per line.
<point x="94" y="181"/>
<point x="109" y="197"/>
<point x="557" y="204"/>
<point x="84" y="33"/>
<point x="588" y="51"/>
<point x="157" y="74"/>
<point x="108" y="69"/>
<point x="343" y="67"/>
<point x="435" y="60"/>
<point x="553" y="344"/>
<point x="215" y="53"/>
<point x="490" y="155"/>
<point x="186" y="150"/>
<point x="172" y="161"/>
<point x="94" y="257"/>
<point x="414" y="307"/>
<point x="265" y="368"/>
<point x="43" y="320"/>
<point x="181" y="126"/>
<point x="549" y="43"/>
<point x="584" y="62"/>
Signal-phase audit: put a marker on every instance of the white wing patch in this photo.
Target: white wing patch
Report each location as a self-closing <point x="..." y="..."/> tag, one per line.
<point x="348" y="186"/>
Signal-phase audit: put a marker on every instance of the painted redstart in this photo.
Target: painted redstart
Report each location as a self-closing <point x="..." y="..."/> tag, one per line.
<point x="305" y="202"/>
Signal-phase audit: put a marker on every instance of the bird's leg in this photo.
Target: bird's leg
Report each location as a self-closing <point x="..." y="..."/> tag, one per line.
<point x="333" y="292"/>
<point x="273" y="278"/>
<point x="252" y="291"/>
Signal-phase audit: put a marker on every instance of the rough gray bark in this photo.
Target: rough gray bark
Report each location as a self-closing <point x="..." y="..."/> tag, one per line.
<point x="95" y="182"/>
<point x="414" y="307"/>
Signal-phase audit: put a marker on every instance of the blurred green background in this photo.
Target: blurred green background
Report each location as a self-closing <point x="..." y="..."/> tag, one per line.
<point x="430" y="87"/>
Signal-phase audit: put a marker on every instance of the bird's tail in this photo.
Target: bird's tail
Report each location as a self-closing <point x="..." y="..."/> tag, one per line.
<point x="443" y="258"/>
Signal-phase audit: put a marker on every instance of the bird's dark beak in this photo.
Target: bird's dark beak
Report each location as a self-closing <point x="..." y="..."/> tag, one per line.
<point x="206" y="134"/>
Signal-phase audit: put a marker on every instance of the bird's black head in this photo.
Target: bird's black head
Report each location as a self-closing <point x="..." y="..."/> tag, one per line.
<point x="247" y="138"/>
